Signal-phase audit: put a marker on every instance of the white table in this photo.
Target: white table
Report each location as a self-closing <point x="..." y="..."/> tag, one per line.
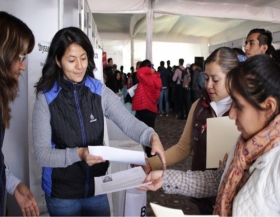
<point x="118" y="198"/>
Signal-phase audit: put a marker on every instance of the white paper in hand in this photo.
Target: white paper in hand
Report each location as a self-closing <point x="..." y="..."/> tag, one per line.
<point x="119" y="181"/>
<point x="119" y="155"/>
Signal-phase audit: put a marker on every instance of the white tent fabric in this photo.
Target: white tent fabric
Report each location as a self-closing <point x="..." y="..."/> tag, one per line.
<point x="202" y="22"/>
<point x="184" y="18"/>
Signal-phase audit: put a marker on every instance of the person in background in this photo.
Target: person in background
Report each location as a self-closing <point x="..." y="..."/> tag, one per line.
<point x="109" y="68"/>
<point x="273" y="54"/>
<point x="248" y="183"/>
<point x="117" y="82"/>
<point x="258" y="41"/>
<point x="134" y="74"/>
<point x="165" y="80"/>
<point x="68" y="116"/>
<point x="240" y="54"/>
<point x="195" y="84"/>
<point x="215" y="102"/>
<point x="115" y="68"/>
<point x="170" y="91"/>
<point x="123" y="76"/>
<point x="178" y="89"/>
<point x="146" y="96"/>
<point x="129" y="85"/>
<point x="16" y="41"/>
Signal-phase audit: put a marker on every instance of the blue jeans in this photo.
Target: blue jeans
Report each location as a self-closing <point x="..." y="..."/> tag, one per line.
<point x="93" y="206"/>
<point x="164" y="95"/>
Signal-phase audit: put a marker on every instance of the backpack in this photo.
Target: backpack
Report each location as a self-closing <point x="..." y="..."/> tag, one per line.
<point x="185" y="77"/>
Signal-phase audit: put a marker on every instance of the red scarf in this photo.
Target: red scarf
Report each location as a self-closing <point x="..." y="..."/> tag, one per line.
<point x="244" y="156"/>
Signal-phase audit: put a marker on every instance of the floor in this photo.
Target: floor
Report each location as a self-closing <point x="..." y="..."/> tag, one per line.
<point x="170" y="130"/>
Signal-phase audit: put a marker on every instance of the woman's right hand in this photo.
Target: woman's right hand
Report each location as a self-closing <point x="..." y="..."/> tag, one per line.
<point x="156" y="178"/>
<point x="89" y="159"/>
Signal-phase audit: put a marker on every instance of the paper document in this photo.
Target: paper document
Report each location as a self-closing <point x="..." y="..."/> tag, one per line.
<point x="119" y="181"/>
<point x="161" y="211"/>
<point x="132" y="90"/>
<point x="222" y="135"/>
<point x="117" y="154"/>
<point x="165" y="211"/>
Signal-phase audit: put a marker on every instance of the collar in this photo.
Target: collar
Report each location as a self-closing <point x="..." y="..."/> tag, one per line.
<point x="222" y="106"/>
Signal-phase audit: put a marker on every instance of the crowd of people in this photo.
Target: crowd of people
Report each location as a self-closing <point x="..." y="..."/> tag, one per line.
<point x="70" y="106"/>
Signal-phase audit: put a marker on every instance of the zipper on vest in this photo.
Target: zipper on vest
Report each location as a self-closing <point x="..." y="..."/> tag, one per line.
<point x="83" y="137"/>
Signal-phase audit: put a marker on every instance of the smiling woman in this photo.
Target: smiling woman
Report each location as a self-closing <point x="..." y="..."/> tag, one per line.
<point x="68" y="98"/>
<point x="74" y="63"/>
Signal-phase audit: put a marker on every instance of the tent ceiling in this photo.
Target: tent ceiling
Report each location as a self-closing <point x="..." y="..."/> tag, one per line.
<point x="183" y="18"/>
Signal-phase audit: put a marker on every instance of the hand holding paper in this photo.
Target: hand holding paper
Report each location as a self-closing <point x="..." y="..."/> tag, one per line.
<point x="120" y="155"/>
<point x="155" y="178"/>
<point x="119" y="181"/>
<point x="89" y="159"/>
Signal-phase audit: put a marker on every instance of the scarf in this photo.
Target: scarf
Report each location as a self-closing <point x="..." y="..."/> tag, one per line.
<point x="245" y="153"/>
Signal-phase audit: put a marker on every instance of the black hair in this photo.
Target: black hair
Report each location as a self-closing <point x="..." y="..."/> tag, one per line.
<point x="181" y="61"/>
<point x="145" y="63"/>
<point x="255" y="80"/>
<point x="238" y="51"/>
<point x="61" y="41"/>
<point x="264" y="38"/>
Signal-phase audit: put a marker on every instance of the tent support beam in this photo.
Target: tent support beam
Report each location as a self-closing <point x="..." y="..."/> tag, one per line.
<point x="149" y="30"/>
<point x="132" y="51"/>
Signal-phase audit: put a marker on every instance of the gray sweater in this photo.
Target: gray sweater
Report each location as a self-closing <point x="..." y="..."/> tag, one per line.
<point x="113" y="109"/>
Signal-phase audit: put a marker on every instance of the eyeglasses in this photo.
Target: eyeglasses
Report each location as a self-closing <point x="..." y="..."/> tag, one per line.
<point x="152" y="66"/>
<point x="22" y="58"/>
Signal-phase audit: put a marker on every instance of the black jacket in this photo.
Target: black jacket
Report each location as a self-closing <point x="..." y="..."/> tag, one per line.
<point x="74" y="109"/>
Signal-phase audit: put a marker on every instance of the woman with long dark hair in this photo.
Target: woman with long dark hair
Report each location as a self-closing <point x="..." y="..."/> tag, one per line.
<point x="68" y="117"/>
<point x="16" y="41"/>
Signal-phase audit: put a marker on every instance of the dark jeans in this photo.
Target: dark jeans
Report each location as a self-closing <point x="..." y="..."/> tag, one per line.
<point x="93" y="206"/>
<point x="187" y="102"/>
<point x="179" y="100"/>
<point x="148" y="118"/>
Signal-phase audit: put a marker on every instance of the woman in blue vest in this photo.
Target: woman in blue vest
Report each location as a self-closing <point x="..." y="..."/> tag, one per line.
<point x="16" y="41"/>
<point x="68" y="117"/>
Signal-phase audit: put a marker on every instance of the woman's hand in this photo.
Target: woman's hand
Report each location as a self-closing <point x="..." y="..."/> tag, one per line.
<point x="158" y="149"/>
<point x="224" y="160"/>
<point x="89" y="159"/>
<point x="26" y="200"/>
<point x="156" y="178"/>
<point x="147" y="169"/>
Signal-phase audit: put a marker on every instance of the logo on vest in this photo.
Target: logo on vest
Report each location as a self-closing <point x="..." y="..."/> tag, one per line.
<point x="92" y="119"/>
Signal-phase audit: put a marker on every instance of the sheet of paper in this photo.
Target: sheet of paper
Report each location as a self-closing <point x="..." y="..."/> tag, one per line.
<point x="119" y="155"/>
<point x="119" y="181"/>
<point x="132" y="90"/>
<point x="222" y="135"/>
<point x="161" y="211"/>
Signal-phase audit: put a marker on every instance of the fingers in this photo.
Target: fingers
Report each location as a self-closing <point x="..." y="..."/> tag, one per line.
<point x="91" y="160"/>
<point x="225" y="157"/>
